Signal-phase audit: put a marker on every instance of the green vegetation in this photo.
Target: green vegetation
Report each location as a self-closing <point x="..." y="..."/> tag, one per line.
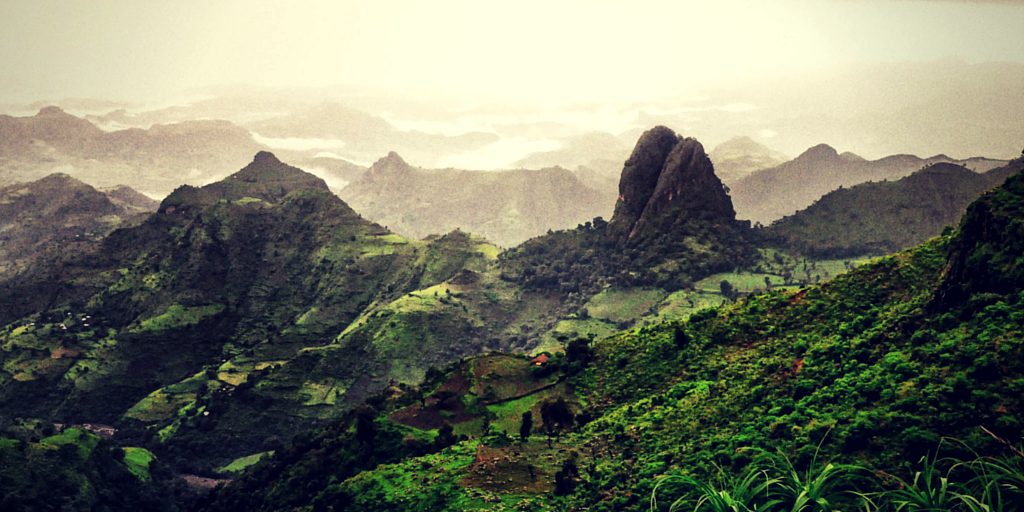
<point x="74" y="470"/>
<point x="879" y="218"/>
<point x="242" y="463"/>
<point x="138" y="460"/>
<point x="623" y="305"/>
<point x="325" y="363"/>
<point x="771" y="483"/>
<point x="868" y="369"/>
<point x="83" y="442"/>
<point x="177" y="316"/>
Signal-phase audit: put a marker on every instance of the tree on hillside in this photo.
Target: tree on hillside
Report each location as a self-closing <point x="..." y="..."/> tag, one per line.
<point x="579" y="351"/>
<point x="727" y="289"/>
<point x="526" y="426"/>
<point x="556" y="415"/>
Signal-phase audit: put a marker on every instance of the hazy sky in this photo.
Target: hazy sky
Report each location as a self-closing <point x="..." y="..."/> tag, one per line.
<point x="543" y="52"/>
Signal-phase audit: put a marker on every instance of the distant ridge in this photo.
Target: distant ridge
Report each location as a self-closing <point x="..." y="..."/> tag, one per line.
<point x="770" y="194"/>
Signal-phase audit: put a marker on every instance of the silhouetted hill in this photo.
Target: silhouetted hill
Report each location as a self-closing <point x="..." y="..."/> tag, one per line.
<point x="59" y="215"/>
<point x="740" y="157"/>
<point x="883" y="217"/>
<point x="771" y="194"/>
<point x="365" y="135"/>
<point x="507" y="207"/>
<point x="154" y="160"/>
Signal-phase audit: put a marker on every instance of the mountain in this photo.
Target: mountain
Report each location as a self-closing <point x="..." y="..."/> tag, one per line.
<point x="154" y="160"/>
<point x="362" y="136"/>
<point x="131" y="199"/>
<point x="771" y="194"/>
<point x="261" y="305"/>
<point x="883" y="217"/>
<point x="857" y="382"/>
<point x="673" y="224"/>
<point x="60" y="215"/>
<point x="249" y="279"/>
<point x="258" y="329"/>
<point x="595" y="157"/>
<point x="740" y="157"/>
<point x="507" y="207"/>
<point x="667" y="178"/>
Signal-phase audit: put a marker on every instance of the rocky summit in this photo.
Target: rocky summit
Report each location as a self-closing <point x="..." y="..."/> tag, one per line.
<point x="666" y="179"/>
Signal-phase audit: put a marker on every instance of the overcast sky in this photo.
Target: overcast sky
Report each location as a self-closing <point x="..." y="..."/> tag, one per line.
<point x="535" y="51"/>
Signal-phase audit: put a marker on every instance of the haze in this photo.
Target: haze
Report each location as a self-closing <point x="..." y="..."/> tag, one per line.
<point x="787" y="73"/>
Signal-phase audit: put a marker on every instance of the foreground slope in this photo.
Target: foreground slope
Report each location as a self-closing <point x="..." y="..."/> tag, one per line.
<point x="874" y="367"/>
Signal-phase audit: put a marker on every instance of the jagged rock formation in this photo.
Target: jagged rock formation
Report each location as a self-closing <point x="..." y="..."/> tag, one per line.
<point x="985" y="258"/>
<point x="666" y="179"/>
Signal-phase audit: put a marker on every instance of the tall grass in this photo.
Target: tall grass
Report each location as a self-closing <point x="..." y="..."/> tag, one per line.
<point x="771" y="483"/>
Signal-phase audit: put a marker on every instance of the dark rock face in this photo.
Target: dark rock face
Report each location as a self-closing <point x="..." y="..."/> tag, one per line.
<point x="666" y="178"/>
<point x="986" y="255"/>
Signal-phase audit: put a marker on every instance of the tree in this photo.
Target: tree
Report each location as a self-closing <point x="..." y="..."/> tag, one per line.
<point x="366" y="428"/>
<point x="579" y="350"/>
<point x="526" y="426"/>
<point x="680" y="338"/>
<point x="445" y="436"/>
<point x="567" y="477"/>
<point x="556" y="415"/>
<point x="727" y="290"/>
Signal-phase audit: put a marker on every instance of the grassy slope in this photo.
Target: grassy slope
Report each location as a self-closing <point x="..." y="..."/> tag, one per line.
<point x="857" y="362"/>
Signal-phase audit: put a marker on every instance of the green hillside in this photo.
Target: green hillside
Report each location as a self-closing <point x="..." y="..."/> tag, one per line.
<point x="886" y="216"/>
<point x="874" y="369"/>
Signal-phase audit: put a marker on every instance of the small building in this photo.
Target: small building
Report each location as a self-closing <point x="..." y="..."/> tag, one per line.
<point x="540" y="360"/>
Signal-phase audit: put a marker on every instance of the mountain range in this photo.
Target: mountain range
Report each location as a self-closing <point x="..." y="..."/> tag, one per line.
<point x="259" y="333"/>
<point x="740" y="157"/>
<point x="770" y="194"/>
<point x="61" y="215"/>
<point x="887" y="216"/>
<point x="506" y="207"/>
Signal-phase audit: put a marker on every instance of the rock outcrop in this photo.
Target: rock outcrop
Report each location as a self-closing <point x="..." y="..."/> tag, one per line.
<point x="667" y="178"/>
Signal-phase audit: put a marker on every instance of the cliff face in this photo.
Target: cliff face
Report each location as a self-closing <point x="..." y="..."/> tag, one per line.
<point x="666" y="178"/>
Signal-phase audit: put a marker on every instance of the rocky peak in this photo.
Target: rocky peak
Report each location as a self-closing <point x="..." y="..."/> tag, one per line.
<point x="667" y="177"/>
<point x="391" y="164"/>
<point x="51" y="111"/>
<point x="265" y="178"/>
<point x="819" y="152"/>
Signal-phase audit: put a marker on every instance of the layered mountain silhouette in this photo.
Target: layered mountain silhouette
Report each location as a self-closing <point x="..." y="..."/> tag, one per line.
<point x="364" y="135"/>
<point x="154" y="160"/>
<point x="883" y="217"/>
<point x="770" y="194"/>
<point x="740" y="157"/>
<point x="506" y="207"/>
<point x="59" y="215"/>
